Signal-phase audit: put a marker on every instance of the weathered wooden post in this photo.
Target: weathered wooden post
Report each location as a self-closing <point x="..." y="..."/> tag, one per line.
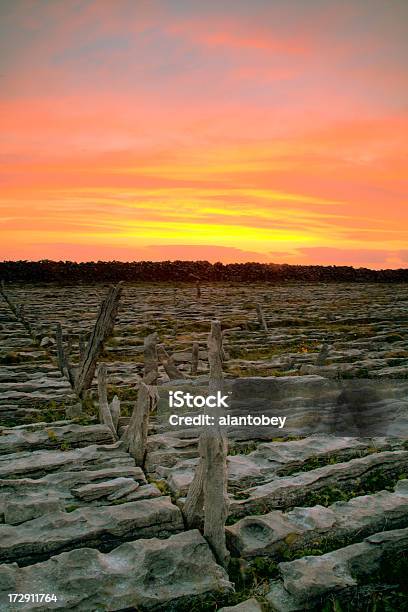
<point x="114" y="408"/>
<point x="150" y="357"/>
<point x="170" y="367"/>
<point x="81" y="346"/>
<point x="135" y="437"/>
<point x="105" y="416"/>
<point x="198" y="288"/>
<point x="194" y="358"/>
<point x="208" y="491"/>
<point x="60" y="349"/>
<point x="102" y="330"/>
<point x="323" y="354"/>
<point x="7" y="297"/>
<point x="62" y="357"/>
<point x="261" y="317"/>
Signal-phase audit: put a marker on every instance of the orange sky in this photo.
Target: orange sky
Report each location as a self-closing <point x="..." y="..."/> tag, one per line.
<point x="222" y="130"/>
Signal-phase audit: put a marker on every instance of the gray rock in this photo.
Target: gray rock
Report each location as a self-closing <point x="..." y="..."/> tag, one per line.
<point x="250" y="605"/>
<point x="20" y="509"/>
<point x="26" y="496"/>
<point x="311" y="579"/>
<point x="145" y="574"/>
<point x="104" y="526"/>
<point x="290" y="491"/>
<point x="273" y="533"/>
<point x="39" y="463"/>
<point x="112" y="489"/>
<point x="16" y="440"/>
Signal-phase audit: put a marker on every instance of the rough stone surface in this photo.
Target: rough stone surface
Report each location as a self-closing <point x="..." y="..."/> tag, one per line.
<point x="145" y="574"/>
<point x="45" y="466"/>
<point x="249" y="605"/>
<point x="17" y="440"/>
<point x="117" y="487"/>
<point x="310" y="579"/>
<point x="103" y="527"/>
<point x="24" y="499"/>
<point x="289" y="491"/>
<point x="39" y="463"/>
<point x="272" y="459"/>
<point x="273" y="533"/>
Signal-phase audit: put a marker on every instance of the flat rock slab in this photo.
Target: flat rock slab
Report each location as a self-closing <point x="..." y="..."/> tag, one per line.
<point x="145" y="575"/>
<point x="39" y="463"/>
<point x="277" y="458"/>
<point x="275" y="533"/>
<point x="249" y="605"/>
<point x="16" y="440"/>
<point x="111" y="489"/>
<point x="293" y="490"/>
<point x="103" y="527"/>
<point x="287" y="456"/>
<point x="309" y="581"/>
<point x="23" y="499"/>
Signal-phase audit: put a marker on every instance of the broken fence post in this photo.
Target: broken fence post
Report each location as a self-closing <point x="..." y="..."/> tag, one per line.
<point x="150" y="357"/>
<point x="60" y="349"/>
<point x="323" y="355"/>
<point x="105" y="416"/>
<point x="169" y="366"/>
<point x="102" y="330"/>
<point x="194" y="358"/>
<point x="261" y="317"/>
<point x="64" y="364"/>
<point x="81" y="346"/>
<point x="208" y="491"/>
<point x="135" y="437"/>
<point x="114" y="407"/>
<point x="7" y="297"/>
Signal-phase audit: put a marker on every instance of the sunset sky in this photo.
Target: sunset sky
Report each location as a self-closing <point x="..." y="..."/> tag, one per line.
<point x="227" y="130"/>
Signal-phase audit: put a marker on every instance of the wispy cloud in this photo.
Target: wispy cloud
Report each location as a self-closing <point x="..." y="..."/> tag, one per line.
<point x="200" y="126"/>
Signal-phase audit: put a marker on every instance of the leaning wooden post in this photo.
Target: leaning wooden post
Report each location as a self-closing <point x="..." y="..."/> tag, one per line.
<point x="102" y="330"/>
<point x="60" y="348"/>
<point x="135" y="437"/>
<point x="105" y="416"/>
<point x="81" y="346"/>
<point x="323" y="354"/>
<point x="169" y="366"/>
<point x="198" y="288"/>
<point x="208" y="490"/>
<point x="150" y="357"/>
<point x="261" y="318"/>
<point x="215" y="483"/>
<point x="114" y="408"/>
<point x="7" y="297"/>
<point x="64" y="364"/>
<point x="194" y="358"/>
